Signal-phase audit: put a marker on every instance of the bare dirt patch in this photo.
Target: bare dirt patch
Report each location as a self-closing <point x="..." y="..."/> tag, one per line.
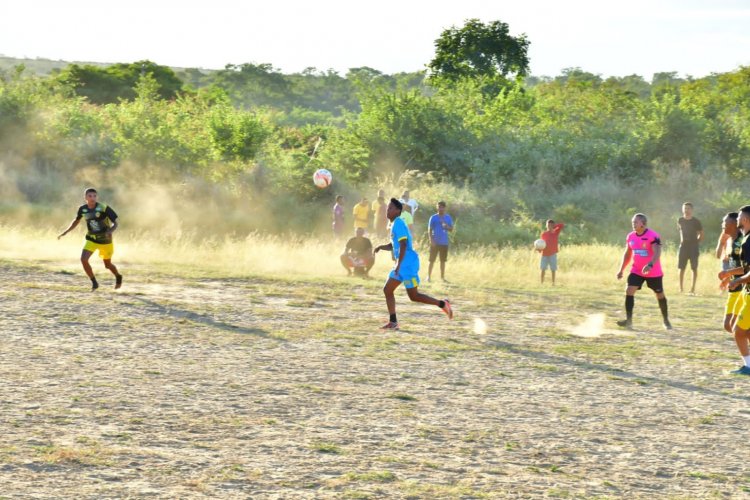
<point x="269" y="388"/>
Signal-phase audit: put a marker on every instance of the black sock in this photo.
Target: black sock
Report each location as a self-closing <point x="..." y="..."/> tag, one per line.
<point x="663" y="307"/>
<point x="629" y="303"/>
<point x="393" y="318"/>
<point x="441" y="304"/>
<point x="94" y="283"/>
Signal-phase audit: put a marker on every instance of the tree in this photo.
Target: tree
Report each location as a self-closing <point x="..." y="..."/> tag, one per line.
<point x="479" y="50"/>
<point x="109" y="85"/>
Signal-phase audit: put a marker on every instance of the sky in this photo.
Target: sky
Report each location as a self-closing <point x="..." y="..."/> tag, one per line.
<point x="609" y="38"/>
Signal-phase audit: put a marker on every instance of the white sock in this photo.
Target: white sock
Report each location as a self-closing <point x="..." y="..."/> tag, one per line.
<point x="747" y="360"/>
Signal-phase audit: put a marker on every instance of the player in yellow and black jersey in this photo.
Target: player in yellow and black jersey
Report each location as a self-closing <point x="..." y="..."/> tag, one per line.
<point x="101" y="222"/>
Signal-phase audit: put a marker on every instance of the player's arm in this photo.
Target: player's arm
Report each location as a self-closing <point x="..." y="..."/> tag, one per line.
<point x="745" y="278"/>
<point x="558" y="227"/>
<point x="72" y="226"/>
<point x="657" y="253"/>
<point x="700" y="236"/>
<point x="625" y="260"/>
<point x="735" y="271"/>
<point x="113" y="227"/>
<point x="721" y="245"/>
<point x="388" y="247"/>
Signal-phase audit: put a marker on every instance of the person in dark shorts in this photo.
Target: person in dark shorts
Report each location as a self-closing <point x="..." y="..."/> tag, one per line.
<point x="101" y="222"/>
<point x="439" y="226"/>
<point x="691" y="236"/>
<point x="643" y="246"/>
<point x="358" y="256"/>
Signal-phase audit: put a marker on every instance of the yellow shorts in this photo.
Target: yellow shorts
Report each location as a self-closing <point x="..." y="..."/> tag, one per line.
<point x="106" y="250"/>
<point x="734" y="303"/>
<point x="742" y="310"/>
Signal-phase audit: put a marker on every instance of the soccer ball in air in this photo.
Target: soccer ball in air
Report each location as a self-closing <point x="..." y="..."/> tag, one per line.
<point x="322" y="178"/>
<point x="540" y="244"/>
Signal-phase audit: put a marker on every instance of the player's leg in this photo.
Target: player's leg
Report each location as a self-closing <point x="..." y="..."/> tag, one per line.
<point x="634" y="284"/>
<point x="390" y="302"/>
<point x="85" y="256"/>
<point x="742" y="338"/>
<point x="443" y="252"/>
<point x="346" y="262"/>
<point x="734" y="299"/>
<point x="694" y="267"/>
<point x="369" y="262"/>
<point x="106" y="252"/>
<point x="553" y="267"/>
<point x="681" y="265"/>
<point x="411" y="283"/>
<point x="543" y="264"/>
<point x="433" y="256"/>
<point x="657" y="285"/>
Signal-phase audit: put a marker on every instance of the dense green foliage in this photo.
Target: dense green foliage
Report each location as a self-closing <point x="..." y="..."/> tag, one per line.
<point x="243" y="143"/>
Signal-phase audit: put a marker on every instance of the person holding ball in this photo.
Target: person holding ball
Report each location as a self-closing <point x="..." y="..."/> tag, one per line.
<point x="643" y="245"/>
<point x="549" y="252"/>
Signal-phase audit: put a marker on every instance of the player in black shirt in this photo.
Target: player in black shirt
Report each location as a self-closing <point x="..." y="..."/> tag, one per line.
<point x="691" y="236"/>
<point x="358" y="254"/>
<point x="101" y="222"/>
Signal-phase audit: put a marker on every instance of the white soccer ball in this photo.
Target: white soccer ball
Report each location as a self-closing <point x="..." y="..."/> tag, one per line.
<point x="540" y="244"/>
<point x="322" y="178"/>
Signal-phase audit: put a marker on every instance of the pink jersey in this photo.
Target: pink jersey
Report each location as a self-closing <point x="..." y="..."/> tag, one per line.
<point x="642" y="247"/>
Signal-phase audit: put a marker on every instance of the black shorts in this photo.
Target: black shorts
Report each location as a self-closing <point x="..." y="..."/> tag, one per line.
<point x="442" y="250"/>
<point x="688" y="253"/>
<point x="654" y="284"/>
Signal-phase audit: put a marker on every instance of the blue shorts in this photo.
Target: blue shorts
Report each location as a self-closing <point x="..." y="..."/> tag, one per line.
<point x="549" y="261"/>
<point x="408" y="275"/>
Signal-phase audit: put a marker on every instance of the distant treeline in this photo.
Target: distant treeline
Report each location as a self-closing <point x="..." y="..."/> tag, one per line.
<point x="506" y="151"/>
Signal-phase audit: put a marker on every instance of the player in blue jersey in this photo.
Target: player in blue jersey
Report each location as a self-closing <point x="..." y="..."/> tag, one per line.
<point x="406" y="270"/>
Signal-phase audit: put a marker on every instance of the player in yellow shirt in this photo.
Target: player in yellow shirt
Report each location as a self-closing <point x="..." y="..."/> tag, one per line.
<point x="101" y="222"/>
<point x="361" y="214"/>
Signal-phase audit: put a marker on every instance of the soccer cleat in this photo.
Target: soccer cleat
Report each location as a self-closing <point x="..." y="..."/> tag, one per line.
<point x="447" y="309"/>
<point x="625" y="323"/>
<point x="118" y="281"/>
<point x="744" y="370"/>
<point x="667" y="325"/>
<point x="94" y="286"/>
<point x="391" y="325"/>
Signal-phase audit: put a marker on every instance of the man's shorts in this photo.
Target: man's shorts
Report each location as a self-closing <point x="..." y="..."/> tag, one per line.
<point x="408" y="275"/>
<point x="436" y="250"/>
<point x="742" y="310"/>
<point x="688" y="253"/>
<point x="106" y="250"/>
<point x="654" y="284"/>
<point x="549" y="261"/>
<point x="734" y="302"/>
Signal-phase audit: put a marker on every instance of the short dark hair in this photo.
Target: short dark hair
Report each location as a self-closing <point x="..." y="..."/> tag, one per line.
<point x="745" y="210"/>
<point x="441" y="203"/>
<point x="687" y="204"/>
<point x="641" y="216"/>
<point x="339" y="197"/>
<point x="89" y="190"/>
<point x="732" y="215"/>
<point x="549" y="221"/>
<point x="397" y="204"/>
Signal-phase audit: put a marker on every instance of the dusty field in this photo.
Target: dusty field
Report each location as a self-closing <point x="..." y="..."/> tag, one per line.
<point x="271" y="388"/>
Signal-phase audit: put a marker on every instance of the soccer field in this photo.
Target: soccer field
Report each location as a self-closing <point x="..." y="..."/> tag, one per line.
<point x="255" y="369"/>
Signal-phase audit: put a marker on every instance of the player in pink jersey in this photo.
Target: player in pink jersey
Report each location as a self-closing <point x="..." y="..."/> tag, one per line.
<point x="643" y="246"/>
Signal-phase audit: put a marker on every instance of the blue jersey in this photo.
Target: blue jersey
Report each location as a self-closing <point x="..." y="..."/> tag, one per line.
<point x="399" y="232"/>
<point x="438" y="234"/>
